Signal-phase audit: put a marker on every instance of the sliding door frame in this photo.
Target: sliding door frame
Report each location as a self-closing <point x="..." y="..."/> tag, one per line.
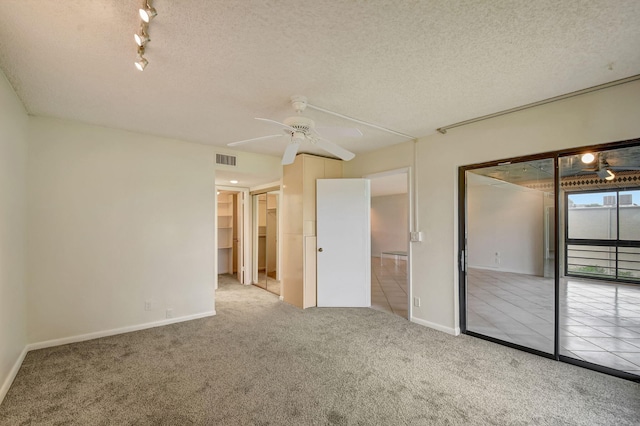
<point x="463" y="255"/>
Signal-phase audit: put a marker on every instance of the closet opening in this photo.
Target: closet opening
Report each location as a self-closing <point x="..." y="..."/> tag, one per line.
<point x="266" y="251"/>
<point x="231" y="236"/>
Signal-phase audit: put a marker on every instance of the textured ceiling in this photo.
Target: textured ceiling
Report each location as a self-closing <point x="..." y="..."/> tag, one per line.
<point x="411" y="66"/>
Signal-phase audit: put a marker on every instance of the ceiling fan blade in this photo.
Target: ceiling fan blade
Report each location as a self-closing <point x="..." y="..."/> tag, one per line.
<point x="334" y="149"/>
<point x="290" y="153"/>
<point x="284" y="126"/>
<point x="339" y="132"/>
<point x="253" y="139"/>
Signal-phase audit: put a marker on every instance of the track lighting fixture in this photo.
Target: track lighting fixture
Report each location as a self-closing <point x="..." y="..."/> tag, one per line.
<point x="147" y="13"/>
<point x="142" y="37"/>
<point x="141" y="63"/>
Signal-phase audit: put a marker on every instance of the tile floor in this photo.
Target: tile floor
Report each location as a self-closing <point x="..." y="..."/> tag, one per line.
<point x="389" y="291"/>
<point x="599" y="321"/>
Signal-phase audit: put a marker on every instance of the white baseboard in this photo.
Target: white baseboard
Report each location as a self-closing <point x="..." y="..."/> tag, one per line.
<point x="449" y="330"/>
<point x="112" y="332"/>
<point x="12" y="375"/>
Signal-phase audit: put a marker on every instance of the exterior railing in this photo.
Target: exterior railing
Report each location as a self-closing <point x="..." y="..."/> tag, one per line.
<point x="604" y="259"/>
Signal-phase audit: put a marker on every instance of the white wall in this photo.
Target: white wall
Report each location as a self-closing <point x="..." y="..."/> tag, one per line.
<point x="604" y="116"/>
<point x="115" y="219"/>
<point x="389" y="223"/>
<point x="505" y="227"/>
<point x="13" y="158"/>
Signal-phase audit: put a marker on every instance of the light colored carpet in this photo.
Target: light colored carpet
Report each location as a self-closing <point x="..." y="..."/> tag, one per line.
<point x="262" y="362"/>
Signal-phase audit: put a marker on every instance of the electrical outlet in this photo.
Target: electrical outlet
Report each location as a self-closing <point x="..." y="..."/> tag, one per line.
<point x="416" y="302"/>
<point x="170" y="313"/>
<point x="416" y="237"/>
<point x="147" y="305"/>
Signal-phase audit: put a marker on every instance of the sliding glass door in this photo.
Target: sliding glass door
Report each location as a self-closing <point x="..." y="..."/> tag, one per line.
<point x="550" y="255"/>
<point x="510" y="253"/>
<point x="599" y="317"/>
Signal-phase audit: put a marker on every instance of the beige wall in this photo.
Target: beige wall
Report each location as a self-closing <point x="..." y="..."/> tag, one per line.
<point x="389" y="223"/>
<point x="603" y="116"/>
<point x="505" y="227"/>
<point x="390" y="158"/>
<point x="13" y="157"/>
<point x="116" y="219"/>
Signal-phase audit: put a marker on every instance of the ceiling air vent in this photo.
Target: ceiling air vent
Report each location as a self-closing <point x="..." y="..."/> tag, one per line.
<point x="227" y="160"/>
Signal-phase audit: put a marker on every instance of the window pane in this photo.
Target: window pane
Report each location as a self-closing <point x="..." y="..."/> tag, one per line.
<point x="629" y="215"/>
<point x="510" y="253"/>
<point x="592" y="216"/>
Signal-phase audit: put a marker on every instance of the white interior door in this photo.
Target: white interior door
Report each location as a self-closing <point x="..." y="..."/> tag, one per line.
<point x="344" y="242"/>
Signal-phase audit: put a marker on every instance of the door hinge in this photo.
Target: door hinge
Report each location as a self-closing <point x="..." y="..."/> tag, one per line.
<point x="462" y="260"/>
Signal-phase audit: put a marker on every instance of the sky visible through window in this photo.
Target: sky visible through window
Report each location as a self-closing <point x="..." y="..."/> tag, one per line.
<point x="598" y="197"/>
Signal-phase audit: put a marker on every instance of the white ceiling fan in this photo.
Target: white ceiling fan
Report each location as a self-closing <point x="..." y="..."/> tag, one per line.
<point x="301" y="129"/>
<point x="602" y="168"/>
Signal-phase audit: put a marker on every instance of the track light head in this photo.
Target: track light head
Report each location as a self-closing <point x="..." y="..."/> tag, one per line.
<point x="141" y="38"/>
<point x="147" y="13"/>
<point x="141" y="64"/>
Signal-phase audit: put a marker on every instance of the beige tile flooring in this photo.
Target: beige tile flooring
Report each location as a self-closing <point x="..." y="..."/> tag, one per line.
<point x="599" y="320"/>
<point x="389" y="291"/>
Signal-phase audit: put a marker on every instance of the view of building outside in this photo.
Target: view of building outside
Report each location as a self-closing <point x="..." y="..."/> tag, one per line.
<point x="595" y="216"/>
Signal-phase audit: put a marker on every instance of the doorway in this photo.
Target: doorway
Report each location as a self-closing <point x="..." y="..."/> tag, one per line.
<point x="231" y="223"/>
<point x="390" y="229"/>
<point x="266" y="241"/>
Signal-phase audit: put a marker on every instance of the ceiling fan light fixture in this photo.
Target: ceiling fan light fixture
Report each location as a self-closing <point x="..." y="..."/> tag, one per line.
<point x="297" y="137"/>
<point x="611" y="176"/>
<point x="588" y="158"/>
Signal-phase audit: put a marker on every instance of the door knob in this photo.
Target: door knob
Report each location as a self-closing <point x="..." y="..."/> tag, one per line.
<point x="320" y="249"/>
